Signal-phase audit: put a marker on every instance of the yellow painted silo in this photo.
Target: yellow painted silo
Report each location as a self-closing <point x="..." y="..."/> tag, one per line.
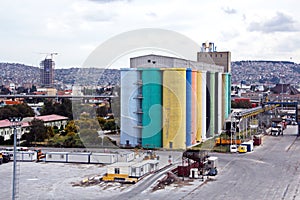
<point x="174" y="108"/>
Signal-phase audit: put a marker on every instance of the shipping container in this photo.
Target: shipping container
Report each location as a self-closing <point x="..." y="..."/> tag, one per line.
<point x="78" y="157"/>
<point x="56" y="156"/>
<point x="103" y="158"/>
<point x="26" y="156"/>
<point x="249" y="145"/>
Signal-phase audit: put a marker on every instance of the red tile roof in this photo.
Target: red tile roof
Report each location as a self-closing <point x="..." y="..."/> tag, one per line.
<point x="49" y="118"/>
<point x="6" y="123"/>
<point x="25" y="123"/>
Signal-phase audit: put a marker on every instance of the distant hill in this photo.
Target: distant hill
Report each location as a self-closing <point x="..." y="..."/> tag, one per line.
<point x="246" y="71"/>
<point x="265" y="72"/>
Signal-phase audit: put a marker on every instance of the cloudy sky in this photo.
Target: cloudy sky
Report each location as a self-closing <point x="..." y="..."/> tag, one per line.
<point x="250" y="29"/>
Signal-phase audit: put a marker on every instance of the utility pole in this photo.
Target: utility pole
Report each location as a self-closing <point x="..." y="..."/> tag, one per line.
<point x="15" y="123"/>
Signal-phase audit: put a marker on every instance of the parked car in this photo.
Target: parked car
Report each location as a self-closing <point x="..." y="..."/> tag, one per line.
<point x="233" y="148"/>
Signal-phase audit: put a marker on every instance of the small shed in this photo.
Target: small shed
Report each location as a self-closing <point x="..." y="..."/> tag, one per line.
<point x="133" y="169"/>
<point x="141" y="168"/>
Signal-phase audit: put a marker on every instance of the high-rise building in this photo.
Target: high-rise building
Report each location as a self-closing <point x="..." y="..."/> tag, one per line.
<point x="47" y="73"/>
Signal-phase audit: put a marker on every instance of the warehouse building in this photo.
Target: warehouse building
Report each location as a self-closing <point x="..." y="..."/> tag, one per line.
<point x="172" y="103"/>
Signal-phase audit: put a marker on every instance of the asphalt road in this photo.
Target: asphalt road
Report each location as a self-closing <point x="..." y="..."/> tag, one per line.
<point x="271" y="171"/>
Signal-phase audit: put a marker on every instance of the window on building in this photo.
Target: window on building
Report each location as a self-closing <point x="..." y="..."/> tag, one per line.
<point x="171" y="145"/>
<point x="62" y="156"/>
<point x="133" y="170"/>
<point x="117" y="170"/>
<point x="49" y="156"/>
<point x="151" y="167"/>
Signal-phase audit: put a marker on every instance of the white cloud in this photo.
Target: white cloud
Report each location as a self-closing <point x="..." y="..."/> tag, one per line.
<point x="73" y="27"/>
<point x="229" y="10"/>
<point x="279" y="23"/>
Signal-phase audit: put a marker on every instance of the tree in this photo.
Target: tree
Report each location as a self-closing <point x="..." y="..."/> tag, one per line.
<point x="71" y="127"/>
<point x="20" y="110"/>
<point x="33" y="89"/>
<point x="90" y="137"/>
<point x="101" y="121"/>
<point x="110" y="125"/>
<point x="38" y="132"/>
<point x="102" y="111"/>
<point x="48" y="108"/>
<point x="24" y="110"/>
<point x="4" y="90"/>
<point x="64" y="108"/>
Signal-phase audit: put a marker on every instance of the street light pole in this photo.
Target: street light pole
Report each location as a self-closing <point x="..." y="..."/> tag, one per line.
<point x="15" y="122"/>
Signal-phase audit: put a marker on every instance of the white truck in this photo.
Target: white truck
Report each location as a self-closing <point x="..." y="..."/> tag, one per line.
<point x="277" y="130"/>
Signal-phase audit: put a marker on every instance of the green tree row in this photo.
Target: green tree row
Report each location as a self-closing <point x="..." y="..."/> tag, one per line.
<point x="77" y="133"/>
<point x="18" y="110"/>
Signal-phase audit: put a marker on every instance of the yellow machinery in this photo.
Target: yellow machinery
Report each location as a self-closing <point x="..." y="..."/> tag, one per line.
<point x="242" y="149"/>
<point x="219" y="141"/>
<point x="123" y="178"/>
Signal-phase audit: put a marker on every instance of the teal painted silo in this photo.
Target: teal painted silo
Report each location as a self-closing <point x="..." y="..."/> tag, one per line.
<point x="152" y="108"/>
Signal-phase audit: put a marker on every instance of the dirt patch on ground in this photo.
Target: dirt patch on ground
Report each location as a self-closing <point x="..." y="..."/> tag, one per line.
<point x="96" y="181"/>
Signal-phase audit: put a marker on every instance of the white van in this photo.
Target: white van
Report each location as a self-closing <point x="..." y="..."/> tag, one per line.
<point x="233" y="148"/>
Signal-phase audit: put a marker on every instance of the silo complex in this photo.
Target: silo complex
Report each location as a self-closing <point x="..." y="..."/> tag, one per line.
<point x="174" y="108"/>
<point x="152" y="108"/>
<point x="172" y="103"/>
